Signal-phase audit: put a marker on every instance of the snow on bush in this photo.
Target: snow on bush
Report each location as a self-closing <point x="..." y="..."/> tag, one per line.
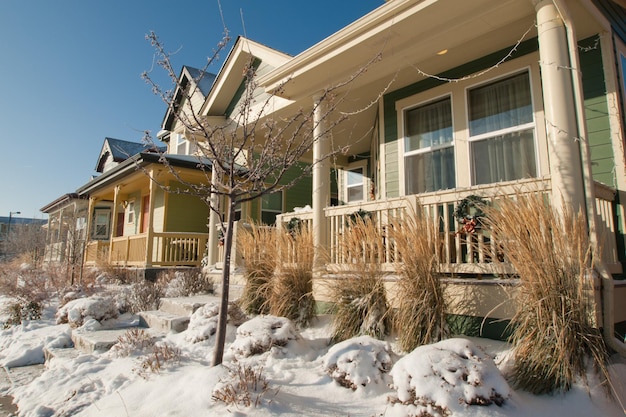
<point x="359" y="362"/>
<point x="445" y="377"/>
<point x="203" y="322"/>
<point x="186" y="283"/>
<point x="82" y="310"/>
<point x="261" y="334"/>
<point x="133" y="342"/>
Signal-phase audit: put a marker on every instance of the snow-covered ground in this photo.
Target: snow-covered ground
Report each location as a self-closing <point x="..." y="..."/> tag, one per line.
<point x="289" y="373"/>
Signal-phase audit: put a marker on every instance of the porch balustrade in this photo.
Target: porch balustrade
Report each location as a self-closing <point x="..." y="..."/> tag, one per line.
<point x="168" y="249"/>
<point x="460" y="253"/>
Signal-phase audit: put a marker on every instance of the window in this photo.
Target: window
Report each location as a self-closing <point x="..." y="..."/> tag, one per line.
<point x="271" y="206"/>
<point x="101" y="224"/>
<point x="501" y="131"/>
<point x="429" y="148"/>
<point x="355" y="185"/>
<point x="181" y="144"/>
<point x="131" y="213"/>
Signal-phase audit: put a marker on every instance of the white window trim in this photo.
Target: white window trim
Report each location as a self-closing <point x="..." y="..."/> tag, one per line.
<point x="402" y="153"/>
<point x="130" y="211"/>
<point x="362" y="164"/>
<point x="520" y="70"/>
<point x="94" y="233"/>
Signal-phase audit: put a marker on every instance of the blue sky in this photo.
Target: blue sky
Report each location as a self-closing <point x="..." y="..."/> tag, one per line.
<point x="70" y="75"/>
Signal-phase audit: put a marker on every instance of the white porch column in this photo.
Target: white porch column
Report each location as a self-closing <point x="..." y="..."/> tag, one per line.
<point x="213" y="234"/>
<point x="560" y="111"/>
<point x="321" y="180"/>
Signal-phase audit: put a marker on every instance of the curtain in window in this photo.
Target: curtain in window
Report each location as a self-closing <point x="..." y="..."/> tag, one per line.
<point x="500" y="105"/>
<point x="504" y="158"/>
<point x="429" y="126"/>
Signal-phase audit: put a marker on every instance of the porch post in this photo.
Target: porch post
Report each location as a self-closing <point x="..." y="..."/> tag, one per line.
<point x="213" y="235"/>
<point x="560" y="111"/>
<point x="150" y="234"/>
<point x="116" y="193"/>
<point x="321" y="180"/>
<point x="90" y="210"/>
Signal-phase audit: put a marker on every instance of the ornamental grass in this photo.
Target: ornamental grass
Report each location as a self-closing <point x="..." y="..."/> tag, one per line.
<point x="360" y="305"/>
<point x="554" y="334"/>
<point x="420" y="317"/>
<point x="259" y="248"/>
<point x="290" y="292"/>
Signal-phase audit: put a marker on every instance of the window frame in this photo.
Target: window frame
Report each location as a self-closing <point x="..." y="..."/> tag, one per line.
<point x="360" y="165"/>
<point x="94" y="233"/>
<point x="472" y="139"/>
<point x="428" y="149"/>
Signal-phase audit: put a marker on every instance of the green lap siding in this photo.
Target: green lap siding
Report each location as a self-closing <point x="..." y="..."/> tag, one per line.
<point x="596" y="111"/>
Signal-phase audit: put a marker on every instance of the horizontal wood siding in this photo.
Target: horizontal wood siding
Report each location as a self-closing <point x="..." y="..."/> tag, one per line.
<point x="301" y="193"/>
<point x="596" y="111"/>
<point x="186" y="213"/>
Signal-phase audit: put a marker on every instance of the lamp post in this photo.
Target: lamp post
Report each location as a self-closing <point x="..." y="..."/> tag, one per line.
<point x="11" y="213"/>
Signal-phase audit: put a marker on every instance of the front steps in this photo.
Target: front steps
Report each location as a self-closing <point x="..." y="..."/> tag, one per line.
<point x="172" y="316"/>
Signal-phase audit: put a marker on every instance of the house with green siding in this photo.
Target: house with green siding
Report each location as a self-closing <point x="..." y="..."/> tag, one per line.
<point x="442" y="101"/>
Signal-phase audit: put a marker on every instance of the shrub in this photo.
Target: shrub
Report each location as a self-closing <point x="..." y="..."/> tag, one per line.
<point x="258" y="245"/>
<point x="77" y="311"/>
<point x="244" y="386"/>
<point x="262" y="333"/>
<point x="132" y="342"/>
<point x="19" y="310"/>
<point x="144" y="295"/>
<point x="163" y="355"/>
<point x="421" y="308"/>
<point x="183" y="283"/>
<point x="358" y="362"/>
<point x="359" y="297"/>
<point x="553" y="332"/>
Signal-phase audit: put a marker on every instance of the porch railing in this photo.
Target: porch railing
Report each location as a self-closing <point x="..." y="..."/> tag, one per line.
<point x="168" y="249"/>
<point x="461" y="253"/>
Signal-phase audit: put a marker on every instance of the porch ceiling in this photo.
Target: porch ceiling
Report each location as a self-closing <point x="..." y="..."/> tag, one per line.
<point x="406" y="35"/>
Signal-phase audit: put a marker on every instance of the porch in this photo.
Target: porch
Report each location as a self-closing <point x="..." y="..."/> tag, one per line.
<point x="461" y="254"/>
<point x="161" y="249"/>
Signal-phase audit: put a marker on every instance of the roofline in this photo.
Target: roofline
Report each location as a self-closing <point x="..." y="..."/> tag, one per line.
<point x="60" y="201"/>
<point x="364" y="27"/>
<point x="130" y="165"/>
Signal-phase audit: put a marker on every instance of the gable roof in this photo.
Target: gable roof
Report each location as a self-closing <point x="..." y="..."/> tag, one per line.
<point x="198" y="80"/>
<point x="230" y="77"/>
<point x="120" y="150"/>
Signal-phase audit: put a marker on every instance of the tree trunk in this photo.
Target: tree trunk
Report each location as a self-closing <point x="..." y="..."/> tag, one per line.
<point x="220" y="338"/>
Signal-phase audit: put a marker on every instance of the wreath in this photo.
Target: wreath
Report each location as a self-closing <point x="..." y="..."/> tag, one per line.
<point x="293" y="226"/>
<point x="359" y="215"/>
<point x="469" y="212"/>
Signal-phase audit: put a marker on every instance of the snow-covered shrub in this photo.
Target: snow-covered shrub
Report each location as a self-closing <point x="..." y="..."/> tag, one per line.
<point x="446" y="377"/>
<point x="185" y="283"/>
<point x="262" y="333"/>
<point x="19" y="310"/>
<point x="359" y="362"/>
<point x="81" y="310"/>
<point x="203" y="322"/>
<point x="144" y="296"/>
<point x="243" y="386"/>
<point x="163" y="355"/>
<point x="132" y="342"/>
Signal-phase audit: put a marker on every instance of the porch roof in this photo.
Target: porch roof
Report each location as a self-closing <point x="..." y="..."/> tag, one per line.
<point x="142" y="159"/>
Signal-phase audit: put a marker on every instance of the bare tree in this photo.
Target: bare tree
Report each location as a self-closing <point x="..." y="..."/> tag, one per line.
<point x="248" y="154"/>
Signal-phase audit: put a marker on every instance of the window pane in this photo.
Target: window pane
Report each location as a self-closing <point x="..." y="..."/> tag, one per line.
<point x="355" y="193"/>
<point x="430" y="171"/>
<point x="500" y="105"/>
<point x="355" y="176"/>
<point x="428" y="125"/>
<point x="504" y="158"/>
<point x="272" y="202"/>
